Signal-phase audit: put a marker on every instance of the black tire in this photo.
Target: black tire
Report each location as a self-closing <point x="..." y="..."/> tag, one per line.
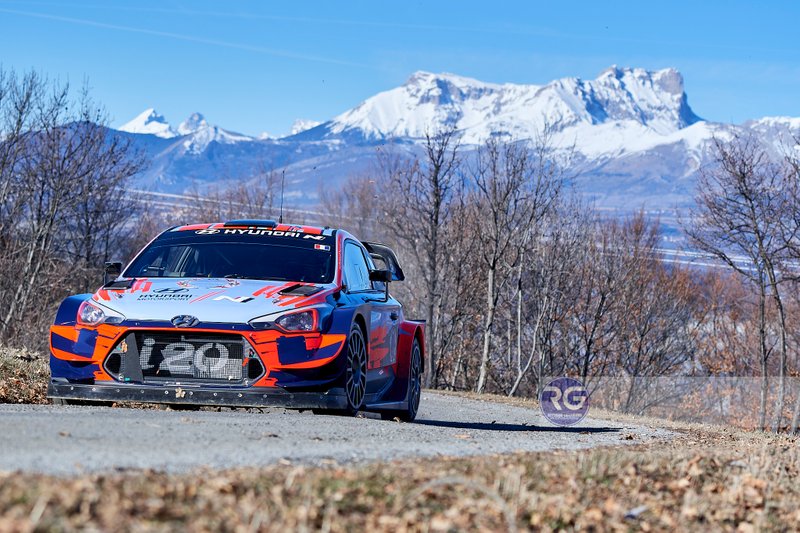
<point x="355" y="376"/>
<point x="414" y="388"/>
<point x="61" y="401"/>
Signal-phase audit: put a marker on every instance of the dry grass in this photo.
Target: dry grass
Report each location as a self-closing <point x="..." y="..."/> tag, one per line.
<point x="713" y="479"/>
<point x="23" y="376"/>
<point x="709" y="478"/>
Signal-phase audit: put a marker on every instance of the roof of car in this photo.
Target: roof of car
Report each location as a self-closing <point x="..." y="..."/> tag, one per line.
<point x="260" y="224"/>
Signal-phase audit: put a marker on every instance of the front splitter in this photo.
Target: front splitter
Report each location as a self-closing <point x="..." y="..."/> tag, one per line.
<point x="192" y="395"/>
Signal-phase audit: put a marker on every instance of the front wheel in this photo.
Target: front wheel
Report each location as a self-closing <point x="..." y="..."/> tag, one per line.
<point x="414" y="388"/>
<point x="355" y="385"/>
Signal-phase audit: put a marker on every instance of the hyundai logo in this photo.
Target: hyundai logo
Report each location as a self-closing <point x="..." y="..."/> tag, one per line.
<point x="170" y="291"/>
<point x="185" y="321"/>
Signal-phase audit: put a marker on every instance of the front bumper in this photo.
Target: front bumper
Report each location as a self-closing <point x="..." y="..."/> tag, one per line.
<point x="194" y="395"/>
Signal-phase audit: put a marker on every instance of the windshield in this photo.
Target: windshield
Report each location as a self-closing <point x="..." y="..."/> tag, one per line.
<point x="237" y="254"/>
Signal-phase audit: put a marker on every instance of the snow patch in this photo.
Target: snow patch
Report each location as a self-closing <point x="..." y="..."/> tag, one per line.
<point x="149" y="122"/>
<point x="301" y="124"/>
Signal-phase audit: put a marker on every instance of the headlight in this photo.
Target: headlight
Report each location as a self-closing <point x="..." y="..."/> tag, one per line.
<point x="294" y="321"/>
<point x="303" y="321"/>
<point x="91" y="314"/>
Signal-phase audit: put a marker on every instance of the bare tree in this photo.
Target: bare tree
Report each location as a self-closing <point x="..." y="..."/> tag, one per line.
<point x="258" y="196"/>
<point x="596" y="288"/>
<point x="790" y="236"/>
<point x="355" y="205"/>
<point x="543" y="292"/>
<point x="655" y="316"/>
<point x="61" y="154"/>
<point x="514" y="186"/>
<point x="741" y="202"/>
<point x="100" y="218"/>
<point x="17" y="107"/>
<point x="418" y="200"/>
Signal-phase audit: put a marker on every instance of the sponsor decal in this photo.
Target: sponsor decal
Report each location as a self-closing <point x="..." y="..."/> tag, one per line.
<point x="208" y="283"/>
<point x="267" y="232"/>
<point x="294" y="232"/>
<point x="238" y="299"/>
<point x="179" y="294"/>
<point x="323" y="247"/>
<point x="564" y="401"/>
<point x="141" y="285"/>
<point x="184" y="358"/>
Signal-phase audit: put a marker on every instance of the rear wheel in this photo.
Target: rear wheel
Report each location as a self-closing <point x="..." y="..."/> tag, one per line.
<point x="414" y="388"/>
<point x="355" y="384"/>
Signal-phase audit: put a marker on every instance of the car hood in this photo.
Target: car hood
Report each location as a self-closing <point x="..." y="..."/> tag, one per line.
<point x="209" y="300"/>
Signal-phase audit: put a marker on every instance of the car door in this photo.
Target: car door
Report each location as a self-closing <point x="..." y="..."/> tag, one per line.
<point x="382" y="316"/>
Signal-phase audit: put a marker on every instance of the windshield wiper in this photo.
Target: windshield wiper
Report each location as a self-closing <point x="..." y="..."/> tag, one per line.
<point x="257" y="278"/>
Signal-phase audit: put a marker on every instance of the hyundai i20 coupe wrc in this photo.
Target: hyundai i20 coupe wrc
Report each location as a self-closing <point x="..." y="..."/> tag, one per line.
<point x="245" y="313"/>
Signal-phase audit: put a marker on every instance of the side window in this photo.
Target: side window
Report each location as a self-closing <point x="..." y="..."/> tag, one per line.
<point x="356" y="272"/>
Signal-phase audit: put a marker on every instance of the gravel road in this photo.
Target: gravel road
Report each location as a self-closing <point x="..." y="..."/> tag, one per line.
<point x="70" y="439"/>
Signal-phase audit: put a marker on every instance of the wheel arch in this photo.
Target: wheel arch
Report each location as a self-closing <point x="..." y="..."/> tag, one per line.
<point x="411" y="330"/>
<point x="419" y="336"/>
<point x="359" y="319"/>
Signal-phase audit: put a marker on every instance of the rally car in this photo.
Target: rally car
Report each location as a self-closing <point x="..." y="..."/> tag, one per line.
<point x="244" y="313"/>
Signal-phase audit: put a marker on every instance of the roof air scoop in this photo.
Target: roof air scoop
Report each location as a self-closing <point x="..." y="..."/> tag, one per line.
<point x="251" y="223"/>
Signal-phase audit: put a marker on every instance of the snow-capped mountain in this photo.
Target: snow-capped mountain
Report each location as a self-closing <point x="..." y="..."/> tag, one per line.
<point x="149" y="122"/>
<point x="200" y="134"/>
<point x="196" y="133"/>
<point x="193" y="123"/>
<point x="637" y="141"/>
<point x="301" y="124"/>
<point x="654" y="100"/>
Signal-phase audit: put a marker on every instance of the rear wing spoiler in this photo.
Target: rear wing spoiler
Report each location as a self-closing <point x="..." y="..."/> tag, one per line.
<point x="386" y="254"/>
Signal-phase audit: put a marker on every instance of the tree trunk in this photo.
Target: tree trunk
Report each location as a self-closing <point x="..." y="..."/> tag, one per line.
<point x="487" y="331"/>
<point x="762" y="337"/>
<point x="796" y="413"/>
<point x="520" y="372"/>
<point x="430" y="356"/>
<point x="782" y="370"/>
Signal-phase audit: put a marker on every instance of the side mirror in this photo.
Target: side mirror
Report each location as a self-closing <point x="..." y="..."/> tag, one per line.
<point x="112" y="272"/>
<point x="384" y="276"/>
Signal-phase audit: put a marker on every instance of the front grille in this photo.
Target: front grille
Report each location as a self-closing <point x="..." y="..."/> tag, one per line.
<point x="178" y="356"/>
<point x="215" y="357"/>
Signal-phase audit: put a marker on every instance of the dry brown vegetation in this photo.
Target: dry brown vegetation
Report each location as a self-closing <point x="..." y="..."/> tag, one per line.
<point x="63" y="211"/>
<point x="706" y="478"/>
<point x="23" y="376"/>
<point x="520" y="280"/>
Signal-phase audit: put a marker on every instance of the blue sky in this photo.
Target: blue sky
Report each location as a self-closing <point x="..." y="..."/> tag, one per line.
<point x="255" y="66"/>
